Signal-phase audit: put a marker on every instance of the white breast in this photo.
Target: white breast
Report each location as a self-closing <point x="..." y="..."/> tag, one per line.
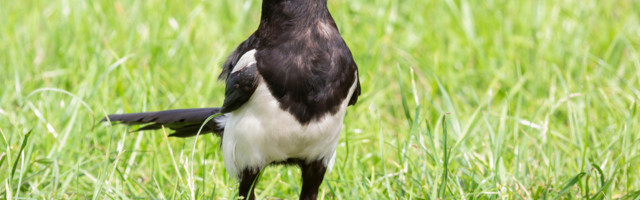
<point x="260" y="132"/>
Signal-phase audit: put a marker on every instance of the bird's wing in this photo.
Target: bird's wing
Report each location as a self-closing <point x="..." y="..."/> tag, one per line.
<point x="241" y="82"/>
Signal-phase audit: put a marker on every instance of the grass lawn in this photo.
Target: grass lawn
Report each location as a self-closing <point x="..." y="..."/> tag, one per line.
<point x="486" y="99"/>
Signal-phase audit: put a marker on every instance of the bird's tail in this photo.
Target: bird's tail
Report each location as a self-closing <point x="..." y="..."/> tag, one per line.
<point x="185" y="122"/>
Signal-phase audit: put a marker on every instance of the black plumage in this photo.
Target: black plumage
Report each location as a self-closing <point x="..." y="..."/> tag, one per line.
<point x="308" y="70"/>
<point x="302" y="58"/>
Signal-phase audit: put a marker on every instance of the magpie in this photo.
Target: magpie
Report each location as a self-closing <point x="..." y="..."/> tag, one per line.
<point x="287" y="88"/>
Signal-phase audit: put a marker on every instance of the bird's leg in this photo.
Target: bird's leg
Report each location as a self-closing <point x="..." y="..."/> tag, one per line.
<point x="248" y="181"/>
<point x="312" y="175"/>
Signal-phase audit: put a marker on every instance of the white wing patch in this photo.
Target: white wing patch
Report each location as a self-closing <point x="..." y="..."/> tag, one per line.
<point x="247" y="59"/>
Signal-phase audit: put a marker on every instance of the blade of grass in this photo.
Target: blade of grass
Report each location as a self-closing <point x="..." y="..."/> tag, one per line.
<point x="24" y="143"/>
<point x="602" y="177"/>
<point x="405" y="106"/>
<point x="444" y="178"/>
<point x="570" y="183"/>
<point x="632" y="195"/>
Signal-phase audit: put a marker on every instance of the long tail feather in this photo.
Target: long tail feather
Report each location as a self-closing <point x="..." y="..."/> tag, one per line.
<point x="185" y="122"/>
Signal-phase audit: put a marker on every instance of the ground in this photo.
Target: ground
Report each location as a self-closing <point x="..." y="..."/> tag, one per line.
<point x="494" y="99"/>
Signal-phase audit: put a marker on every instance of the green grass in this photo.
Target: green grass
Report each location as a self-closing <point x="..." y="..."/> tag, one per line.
<point x="494" y="99"/>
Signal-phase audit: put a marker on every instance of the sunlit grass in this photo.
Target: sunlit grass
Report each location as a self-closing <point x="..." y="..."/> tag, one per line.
<point x="461" y="99"/>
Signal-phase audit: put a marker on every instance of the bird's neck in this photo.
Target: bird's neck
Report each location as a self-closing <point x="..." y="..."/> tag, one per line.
<point x="279" y="16"/>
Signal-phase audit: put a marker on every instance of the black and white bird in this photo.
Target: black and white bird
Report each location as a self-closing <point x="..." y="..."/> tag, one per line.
<point x="287" y="89"/>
